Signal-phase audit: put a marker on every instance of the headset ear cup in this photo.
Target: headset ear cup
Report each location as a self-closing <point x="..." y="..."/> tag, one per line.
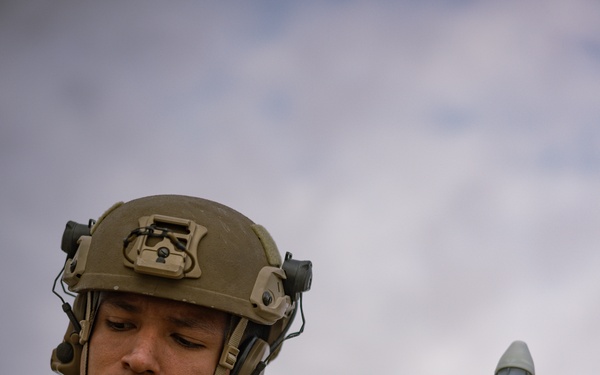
<point x="67" y="355"/>
<point x="255" y="351"/>
<point x="65" y="352"/>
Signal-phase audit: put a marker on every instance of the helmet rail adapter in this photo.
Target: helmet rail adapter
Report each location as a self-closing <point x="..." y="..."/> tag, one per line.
<point x="184" y="249"/>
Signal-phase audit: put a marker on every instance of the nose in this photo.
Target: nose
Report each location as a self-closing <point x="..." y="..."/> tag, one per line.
<point x="143" y="357"/>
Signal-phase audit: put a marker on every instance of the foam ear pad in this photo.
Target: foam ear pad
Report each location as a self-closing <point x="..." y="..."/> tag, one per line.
<point x="253" y="352"/>
<point x="65" y="352"/>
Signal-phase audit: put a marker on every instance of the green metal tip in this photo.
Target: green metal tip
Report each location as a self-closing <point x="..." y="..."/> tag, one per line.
<point x="516" y="356"/>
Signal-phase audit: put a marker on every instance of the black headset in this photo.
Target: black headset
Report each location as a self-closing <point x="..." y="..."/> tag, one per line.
<point x="67" y="355"/>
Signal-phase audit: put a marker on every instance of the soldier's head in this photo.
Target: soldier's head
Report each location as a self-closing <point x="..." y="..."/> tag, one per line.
<point x="176" y="284"/>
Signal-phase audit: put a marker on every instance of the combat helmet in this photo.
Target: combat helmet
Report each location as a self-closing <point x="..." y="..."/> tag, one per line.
<point x="185" y="249"/>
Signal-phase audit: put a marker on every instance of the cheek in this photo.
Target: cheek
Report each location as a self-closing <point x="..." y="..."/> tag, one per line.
<point x="197" y="363"/>
<point x="103" y="353"/>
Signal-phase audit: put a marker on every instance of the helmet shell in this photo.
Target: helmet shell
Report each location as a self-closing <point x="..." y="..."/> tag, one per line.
<point x="233" y="258"/>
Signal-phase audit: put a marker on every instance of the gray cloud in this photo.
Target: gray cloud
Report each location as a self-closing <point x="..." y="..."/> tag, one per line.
<point x="437" y="161"/>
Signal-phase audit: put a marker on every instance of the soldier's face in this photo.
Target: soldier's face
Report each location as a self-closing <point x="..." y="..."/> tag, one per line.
<point x="135" y="334"/>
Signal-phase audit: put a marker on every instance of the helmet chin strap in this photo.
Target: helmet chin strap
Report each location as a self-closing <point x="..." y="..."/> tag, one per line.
<point x="231" y="348"/>
<point x="92" y="304"/>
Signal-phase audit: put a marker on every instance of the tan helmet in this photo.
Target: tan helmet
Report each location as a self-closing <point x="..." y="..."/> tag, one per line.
<point x="185" y="249"/>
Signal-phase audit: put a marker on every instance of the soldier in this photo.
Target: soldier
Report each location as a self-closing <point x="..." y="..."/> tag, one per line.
<point x="176" y="285"/>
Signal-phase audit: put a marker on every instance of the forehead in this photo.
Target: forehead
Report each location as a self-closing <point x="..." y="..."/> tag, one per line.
<point x="166" y="309"/>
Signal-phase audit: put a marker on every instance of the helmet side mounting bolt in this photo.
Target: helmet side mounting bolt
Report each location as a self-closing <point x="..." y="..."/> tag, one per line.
<point x="267" y="298"/>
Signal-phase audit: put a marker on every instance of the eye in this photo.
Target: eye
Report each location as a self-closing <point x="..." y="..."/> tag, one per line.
<point x="118" y="326"/>
<point x="186" y="343"/>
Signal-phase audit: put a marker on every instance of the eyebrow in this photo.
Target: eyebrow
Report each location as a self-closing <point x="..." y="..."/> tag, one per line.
<point x="122" y="304"/>
<point x="193" y="323"/>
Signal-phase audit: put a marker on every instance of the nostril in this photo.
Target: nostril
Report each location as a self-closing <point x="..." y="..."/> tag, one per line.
<point x="141" y="361"/>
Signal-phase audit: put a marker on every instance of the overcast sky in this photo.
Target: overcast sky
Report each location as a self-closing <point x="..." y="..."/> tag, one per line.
<point x="439" y="162"/>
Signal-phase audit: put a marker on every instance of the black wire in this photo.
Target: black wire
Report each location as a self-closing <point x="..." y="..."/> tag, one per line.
<point x="296" y="334"/>
<point x="66" y="291"/>
<point x="282" y="337"/>
<point x="62" y="284"/>
<point x="65" y="305"/>
<point x="54" y="286"/>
